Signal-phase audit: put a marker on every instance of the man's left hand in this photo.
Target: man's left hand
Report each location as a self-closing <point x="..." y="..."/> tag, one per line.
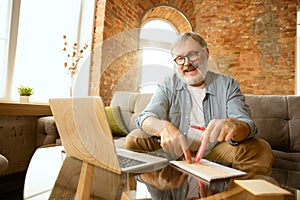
<point x="225" y="130"/>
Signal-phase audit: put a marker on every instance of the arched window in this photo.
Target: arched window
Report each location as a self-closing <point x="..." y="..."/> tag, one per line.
<point x="156" y="36"/>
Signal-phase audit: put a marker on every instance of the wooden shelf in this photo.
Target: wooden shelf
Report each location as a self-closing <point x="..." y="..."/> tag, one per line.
<point x="24" y="109"/>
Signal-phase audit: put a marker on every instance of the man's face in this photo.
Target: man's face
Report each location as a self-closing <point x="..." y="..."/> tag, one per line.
<point x="194" y="61"/>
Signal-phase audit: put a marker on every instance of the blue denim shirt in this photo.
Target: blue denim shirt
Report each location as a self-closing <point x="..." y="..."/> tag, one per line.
<point x="223" y="99"/>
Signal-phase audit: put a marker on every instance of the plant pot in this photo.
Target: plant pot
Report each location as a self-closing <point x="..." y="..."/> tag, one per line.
<point x="24" y="99"/>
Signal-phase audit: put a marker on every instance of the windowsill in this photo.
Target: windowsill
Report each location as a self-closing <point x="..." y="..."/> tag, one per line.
<point x="24" y="109"/>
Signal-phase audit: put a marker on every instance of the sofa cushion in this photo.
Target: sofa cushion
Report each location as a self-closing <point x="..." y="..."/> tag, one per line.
<point x="294" y="116"/>
<point x="286" y="168"/>
<point x="270" y="115"/>
<point x="284" y="160"/>
<point x="131" y="105"/>
<point x="277" y="119"/>
<point x="115" y="120"/>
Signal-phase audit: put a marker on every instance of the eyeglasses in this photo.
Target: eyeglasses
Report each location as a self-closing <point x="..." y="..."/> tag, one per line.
<point x="192" y="56"/>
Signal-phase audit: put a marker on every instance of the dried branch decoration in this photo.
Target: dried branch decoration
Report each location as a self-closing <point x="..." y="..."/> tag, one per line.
<point x="74" y="55"/>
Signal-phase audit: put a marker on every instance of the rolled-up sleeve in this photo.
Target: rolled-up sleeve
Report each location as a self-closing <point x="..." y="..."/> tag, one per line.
<point x="238" y="109"/>
<point x="225" y="100"/>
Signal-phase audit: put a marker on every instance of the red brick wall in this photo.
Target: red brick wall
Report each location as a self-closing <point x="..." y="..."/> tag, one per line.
<point x="254" y="41"/>
<point x="117" y="54"/>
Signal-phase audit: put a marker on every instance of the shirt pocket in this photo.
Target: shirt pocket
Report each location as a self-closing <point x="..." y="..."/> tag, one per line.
<point x="175" y="115"/>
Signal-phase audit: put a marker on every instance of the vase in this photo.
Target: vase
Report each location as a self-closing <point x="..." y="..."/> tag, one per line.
<point x="24" y="99"/>
<point x="71" y="83"/>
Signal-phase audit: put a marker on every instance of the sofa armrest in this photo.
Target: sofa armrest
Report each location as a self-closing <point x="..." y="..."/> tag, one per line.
<point x="3" y="163"/>
<point x="46" y="131"/>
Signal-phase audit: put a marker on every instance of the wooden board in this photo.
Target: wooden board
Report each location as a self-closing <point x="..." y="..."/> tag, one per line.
<point x="261" y="187"/>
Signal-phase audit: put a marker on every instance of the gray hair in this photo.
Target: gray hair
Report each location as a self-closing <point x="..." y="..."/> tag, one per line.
<point x="184" y="36"/>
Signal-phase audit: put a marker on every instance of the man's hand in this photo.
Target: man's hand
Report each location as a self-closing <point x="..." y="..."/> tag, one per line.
<point x="172" y="141"/>
<point x="225" y="130"/>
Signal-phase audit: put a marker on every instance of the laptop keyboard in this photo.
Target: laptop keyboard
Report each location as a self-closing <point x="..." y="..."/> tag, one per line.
<point x="128" y="162"/>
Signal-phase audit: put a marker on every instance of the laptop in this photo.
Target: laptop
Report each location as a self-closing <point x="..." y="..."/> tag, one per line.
<point x="86" y="135"/>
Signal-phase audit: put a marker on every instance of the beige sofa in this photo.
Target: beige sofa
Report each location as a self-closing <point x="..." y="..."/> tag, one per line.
<point x="277" y="119"/>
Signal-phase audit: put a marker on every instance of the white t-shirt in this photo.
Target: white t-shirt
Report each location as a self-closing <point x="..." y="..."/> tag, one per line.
<point x="196" y="116"/>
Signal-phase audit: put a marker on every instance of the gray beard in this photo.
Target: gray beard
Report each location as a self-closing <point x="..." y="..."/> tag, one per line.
<point x="202" y="70"/>
<point x="193" y="80"/>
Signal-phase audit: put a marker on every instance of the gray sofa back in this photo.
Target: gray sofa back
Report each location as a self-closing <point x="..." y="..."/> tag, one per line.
<point x="277" y="119"/>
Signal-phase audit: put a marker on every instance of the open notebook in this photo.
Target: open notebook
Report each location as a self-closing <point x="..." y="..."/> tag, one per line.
<point x="85" y="134"/>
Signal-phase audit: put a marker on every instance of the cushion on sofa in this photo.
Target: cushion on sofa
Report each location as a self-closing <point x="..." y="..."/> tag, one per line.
<point x="115" y="121"/>
<point x="131" y="105"/>
<point x="286" y="168"/>
<point x="270" y="115"/>
<point x="294" y="122"/>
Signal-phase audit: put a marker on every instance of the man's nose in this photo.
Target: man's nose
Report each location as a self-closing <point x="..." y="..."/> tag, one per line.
<point x="186" y="61"/>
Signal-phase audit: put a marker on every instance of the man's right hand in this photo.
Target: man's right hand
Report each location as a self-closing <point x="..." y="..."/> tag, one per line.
<point x="172" y="141"/>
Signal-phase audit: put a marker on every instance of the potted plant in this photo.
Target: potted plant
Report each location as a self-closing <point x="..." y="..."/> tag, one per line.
<point x="25" y="93"/>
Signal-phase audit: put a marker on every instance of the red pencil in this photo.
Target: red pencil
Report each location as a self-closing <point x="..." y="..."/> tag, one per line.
<point x="198" y="127"/>
<point x="200" y="153"/>
<point x="202" y="147"/>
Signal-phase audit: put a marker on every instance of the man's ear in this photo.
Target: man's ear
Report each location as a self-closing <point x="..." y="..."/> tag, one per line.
<point x="207" y="50"/>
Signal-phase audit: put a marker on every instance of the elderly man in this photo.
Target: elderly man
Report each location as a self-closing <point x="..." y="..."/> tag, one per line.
<point x="211" y="102"/>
